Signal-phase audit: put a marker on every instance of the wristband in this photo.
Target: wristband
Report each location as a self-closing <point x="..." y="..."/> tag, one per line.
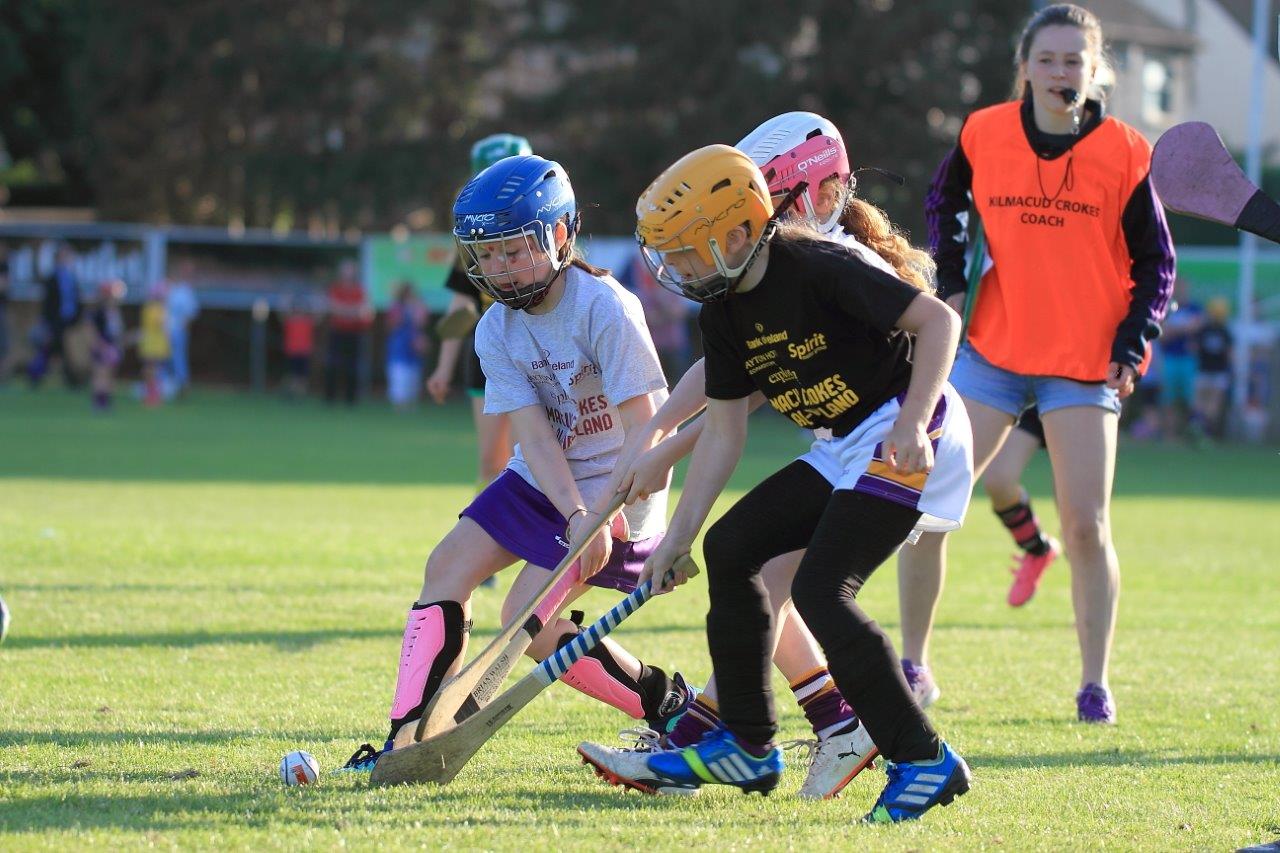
<point x="572" y="515"/>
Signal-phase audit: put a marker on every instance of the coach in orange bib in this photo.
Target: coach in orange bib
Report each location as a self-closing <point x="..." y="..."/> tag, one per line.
<point x="1078" y="278"/>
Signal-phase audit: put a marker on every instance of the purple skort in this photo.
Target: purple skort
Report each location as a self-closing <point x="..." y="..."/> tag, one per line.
<point x="522" y="520"/>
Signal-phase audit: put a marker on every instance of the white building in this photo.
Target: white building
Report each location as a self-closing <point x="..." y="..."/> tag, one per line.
<point x="1191" y="60"/>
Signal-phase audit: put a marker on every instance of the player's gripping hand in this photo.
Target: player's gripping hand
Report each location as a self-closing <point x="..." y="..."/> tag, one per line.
<point x="596" y="555"/>
<point x="664" y="557"/>
<point x="648" y="474"/>
<point x="907" y="448"/>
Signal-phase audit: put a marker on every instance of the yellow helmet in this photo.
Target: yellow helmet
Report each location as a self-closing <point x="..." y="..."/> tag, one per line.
<point x="683" y="220"/>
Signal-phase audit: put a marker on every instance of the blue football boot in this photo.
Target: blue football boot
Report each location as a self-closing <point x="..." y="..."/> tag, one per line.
<point x="363" y="759"/>
<point x="718" y="759"/>
<point x="914" y="787"/>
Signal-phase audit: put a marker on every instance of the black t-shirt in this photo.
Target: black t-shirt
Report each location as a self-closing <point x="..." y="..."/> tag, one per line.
<point x="459" y="283"/>
<point x="1213" y="344"/>
<point x="816" y="336"/>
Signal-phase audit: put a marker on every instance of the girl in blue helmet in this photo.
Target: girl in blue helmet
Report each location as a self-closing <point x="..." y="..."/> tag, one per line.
<point x="493" y="432"/>
<point x="568" y="357"/>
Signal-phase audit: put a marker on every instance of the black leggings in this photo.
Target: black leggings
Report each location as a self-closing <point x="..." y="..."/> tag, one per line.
<point x="847" y="535"/>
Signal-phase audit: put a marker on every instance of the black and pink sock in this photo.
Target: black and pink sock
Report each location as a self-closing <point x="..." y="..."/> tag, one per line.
<point x="1021" y="522"/>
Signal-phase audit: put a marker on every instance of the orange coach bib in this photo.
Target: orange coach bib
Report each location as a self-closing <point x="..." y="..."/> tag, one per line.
<point x="1060" y="283"/>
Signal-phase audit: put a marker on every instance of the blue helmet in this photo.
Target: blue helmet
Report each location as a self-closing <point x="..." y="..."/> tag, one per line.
<point x="504" y="222"/>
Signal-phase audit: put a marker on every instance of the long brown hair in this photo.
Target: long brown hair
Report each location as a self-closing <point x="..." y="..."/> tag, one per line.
<point x="581" y="263"/>
<point x="872" y="228"/>
<point x="1064" y="15"/>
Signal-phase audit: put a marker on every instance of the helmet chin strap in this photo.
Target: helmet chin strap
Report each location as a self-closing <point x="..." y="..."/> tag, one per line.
<point x="766" y="234"/>
<point x="565" y="263"/>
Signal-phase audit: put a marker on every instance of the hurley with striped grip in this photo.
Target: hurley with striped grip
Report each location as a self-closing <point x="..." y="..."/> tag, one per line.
<point x="439" y="759"/>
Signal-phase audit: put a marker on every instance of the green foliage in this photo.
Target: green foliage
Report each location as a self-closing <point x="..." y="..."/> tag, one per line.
<point x="209" y="586"/>
<point x="335" y="115"/>
<point x="42" y="120"/>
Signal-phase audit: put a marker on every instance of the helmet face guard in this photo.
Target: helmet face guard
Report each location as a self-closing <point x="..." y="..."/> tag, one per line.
<point x="674" y="266"/>
<point x="505" y="224"/>
<point x="517" y="267"/>
<point x="818" y="162"/>
<point x="685" y="218"/>
<point x="699" y="271"/>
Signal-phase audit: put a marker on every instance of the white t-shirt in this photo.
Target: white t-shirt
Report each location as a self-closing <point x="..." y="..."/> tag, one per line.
<point x="578" y="361"/>
<point x="865" y="252"/>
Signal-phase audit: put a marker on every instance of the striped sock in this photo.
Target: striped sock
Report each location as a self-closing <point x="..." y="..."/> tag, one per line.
<point x="823" y="706"/>
<point x="702" y="717"/>
<point x="1022" y="524"/>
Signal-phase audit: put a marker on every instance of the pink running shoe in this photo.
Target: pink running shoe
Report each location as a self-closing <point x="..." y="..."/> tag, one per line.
<point x="1028" y="571"/>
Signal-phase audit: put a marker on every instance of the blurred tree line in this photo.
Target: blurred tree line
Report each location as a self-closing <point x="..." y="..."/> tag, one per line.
<point x="357" y="114"/>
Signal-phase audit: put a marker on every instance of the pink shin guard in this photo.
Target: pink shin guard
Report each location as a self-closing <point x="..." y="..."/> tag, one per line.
<point x="590" y="677"/>
<point x="424" y="638"/>
<point x="550" y="606"/>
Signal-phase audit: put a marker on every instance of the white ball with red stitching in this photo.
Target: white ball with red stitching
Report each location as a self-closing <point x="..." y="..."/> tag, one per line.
<point x="299" y="768"/>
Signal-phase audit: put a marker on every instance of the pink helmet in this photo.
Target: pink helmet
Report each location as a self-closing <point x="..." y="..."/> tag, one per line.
<point x="796" y="147"/>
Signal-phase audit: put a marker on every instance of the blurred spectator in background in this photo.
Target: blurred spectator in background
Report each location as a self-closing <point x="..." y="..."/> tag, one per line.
<point x="1213" y="345"/>
<point x="349" y="319"/>
<point x="108" y="341"/>
<point x="1258" y="393"/>
<point x="153" y="343"/>
<point x="667" y="315"/>
<point x="4" y="314"/>
<point x="60" y="311"/>
<point x="182" y="307"/>
<point x="1144" y="405"/>
<point x="406" y="346"/>
<point x="1177" y="347"/>
<point x="299" y="326"/>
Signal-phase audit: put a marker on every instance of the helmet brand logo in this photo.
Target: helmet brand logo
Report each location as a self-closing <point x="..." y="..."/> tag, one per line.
<point x="817" y="159"/>
<point x="479" y="217"/>
<point x="704" y="225"/>
<point x="552" y="205"/>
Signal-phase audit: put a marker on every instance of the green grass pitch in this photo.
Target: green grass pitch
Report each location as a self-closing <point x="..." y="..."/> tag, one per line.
<point x="209" y="586"/>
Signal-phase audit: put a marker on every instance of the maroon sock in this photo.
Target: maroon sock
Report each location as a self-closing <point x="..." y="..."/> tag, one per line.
<point x="823" y="705"/>
<point x="701" y="718"/>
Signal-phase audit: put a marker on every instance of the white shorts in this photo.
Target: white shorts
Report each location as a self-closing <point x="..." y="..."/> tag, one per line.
<point x="856" y="462"/>
<point x="402" y="382"/>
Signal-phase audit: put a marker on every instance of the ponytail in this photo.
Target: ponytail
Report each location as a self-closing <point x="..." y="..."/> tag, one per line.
<point x="871" y="226"/>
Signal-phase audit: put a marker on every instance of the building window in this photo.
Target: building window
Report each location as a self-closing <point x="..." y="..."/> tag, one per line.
<point x="1119" y="55"/>
<point x="1157" y="89"/>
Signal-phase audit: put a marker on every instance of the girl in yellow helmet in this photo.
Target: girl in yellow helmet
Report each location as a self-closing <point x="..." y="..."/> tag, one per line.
<point x="824" y="337"/>
<point x="805" y="153"/>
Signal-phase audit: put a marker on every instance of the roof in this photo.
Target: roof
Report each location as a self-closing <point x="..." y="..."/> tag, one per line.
<point x="1127" y="21"/>
<point x="1242" y="12"/>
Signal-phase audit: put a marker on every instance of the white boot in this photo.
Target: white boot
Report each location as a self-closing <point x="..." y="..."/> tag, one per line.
<point x="628" y="766"/>
<point x="834" y="761"/>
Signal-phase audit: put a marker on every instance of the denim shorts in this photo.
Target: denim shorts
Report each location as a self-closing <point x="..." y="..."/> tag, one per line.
<point x="979" y="380"/>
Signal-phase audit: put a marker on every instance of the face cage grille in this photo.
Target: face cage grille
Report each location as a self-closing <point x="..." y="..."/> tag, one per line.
<point x="515" y="296"/>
